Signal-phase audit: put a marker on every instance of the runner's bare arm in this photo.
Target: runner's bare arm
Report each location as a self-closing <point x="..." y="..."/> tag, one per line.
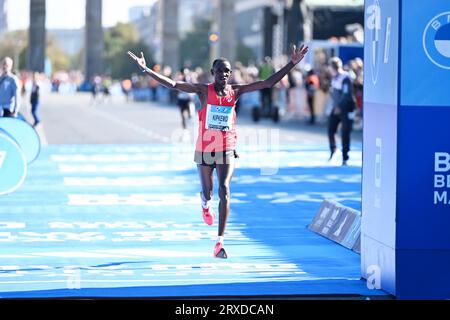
<point x="296" y="56"/>
<point x="165" y="81"/>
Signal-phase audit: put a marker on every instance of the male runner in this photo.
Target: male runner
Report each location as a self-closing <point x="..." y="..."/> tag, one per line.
<point x="216" y="143"/>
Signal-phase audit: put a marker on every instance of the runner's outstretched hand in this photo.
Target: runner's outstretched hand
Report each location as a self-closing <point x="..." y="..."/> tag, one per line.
<point x="140" y="61"/>
<point x="298" y="54"/>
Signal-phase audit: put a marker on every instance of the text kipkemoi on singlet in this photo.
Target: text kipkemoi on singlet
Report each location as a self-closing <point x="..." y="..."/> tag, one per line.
<point x="218" y="118"/>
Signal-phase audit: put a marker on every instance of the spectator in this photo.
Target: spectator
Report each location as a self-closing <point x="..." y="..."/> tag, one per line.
<point x="126" y="88"/>
<point x="294" y="92"/>
<point x="265" y="71"/>
<point x="343" y="107"/>
<point x="95" y="87"/>
<point x="154" y="83"/>
<point x="106" y="89"/>
<point x="312" y="83"/>
<point x="184" y="99"/>
<point x="34" y="101"/>
<point x="9" y="90"/>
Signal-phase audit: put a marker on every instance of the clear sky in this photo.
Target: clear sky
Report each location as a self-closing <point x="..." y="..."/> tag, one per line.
<point x="69" y="14"/>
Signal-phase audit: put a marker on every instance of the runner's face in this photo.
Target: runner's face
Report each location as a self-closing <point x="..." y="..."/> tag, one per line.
<point x="7" y="65"/>
<point x="222" y="72"/>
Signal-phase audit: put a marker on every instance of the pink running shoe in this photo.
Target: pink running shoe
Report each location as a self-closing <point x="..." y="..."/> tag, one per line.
<point x="219" y="251"/>
<point x="208" y="216"/>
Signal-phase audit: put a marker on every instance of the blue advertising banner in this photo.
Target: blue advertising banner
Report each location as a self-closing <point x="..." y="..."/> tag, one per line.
<point x="381" y="51"/>
<point x="425" y="54"/>
<point x="406" y="160"/>
<point x="423" y="241"/>
<point x="424" y="178"/>
<point x="379" y="173"/>
<point x="380" y="141"/>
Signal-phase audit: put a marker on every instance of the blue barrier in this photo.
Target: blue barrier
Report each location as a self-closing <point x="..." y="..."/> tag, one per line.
<point x="26" y="137"/>
<point x="19" y="146"/>
<point x="13" y="164"/>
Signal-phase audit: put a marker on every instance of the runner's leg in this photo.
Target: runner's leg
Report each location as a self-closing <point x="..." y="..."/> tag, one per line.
<point x="224" y="175"/>
<point x="206" y="181"/>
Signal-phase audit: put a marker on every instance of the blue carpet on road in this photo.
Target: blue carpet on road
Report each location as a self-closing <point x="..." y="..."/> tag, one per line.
<point x="125" y="221"/>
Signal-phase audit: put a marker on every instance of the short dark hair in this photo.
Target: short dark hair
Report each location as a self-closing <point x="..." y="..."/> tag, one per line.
<point x="215" y="62"/>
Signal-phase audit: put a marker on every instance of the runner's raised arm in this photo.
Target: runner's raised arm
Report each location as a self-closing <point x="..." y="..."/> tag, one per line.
<point x="296" y="56"/>
<point x="165" y="81"/>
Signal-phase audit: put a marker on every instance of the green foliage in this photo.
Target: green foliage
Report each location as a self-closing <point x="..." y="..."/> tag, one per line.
<point x="118" y="40"/>
<point x="194" y="48"/>
<point x="76" y="62"/>
<point x="245" y="54"/>
<point x="59" y="59"/>
<point x="23" y="58"/>
<point x="13" y="44"/>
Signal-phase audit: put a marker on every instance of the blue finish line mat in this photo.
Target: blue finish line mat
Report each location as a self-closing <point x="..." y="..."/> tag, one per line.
<point x="125" y="221"/>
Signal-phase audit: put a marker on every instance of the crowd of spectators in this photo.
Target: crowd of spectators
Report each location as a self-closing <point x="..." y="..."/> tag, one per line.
<point x="303" y="95"/>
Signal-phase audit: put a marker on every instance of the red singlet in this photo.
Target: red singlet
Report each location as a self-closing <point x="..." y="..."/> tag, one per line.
<point x="217" y="122"/>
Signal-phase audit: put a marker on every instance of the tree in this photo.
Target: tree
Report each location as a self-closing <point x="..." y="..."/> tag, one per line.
<point x="195" y="45"/>
<point x="14" y="45"/>
<point x="59" y="59"/>
<point x="245" y="54"/>
<point x="76" y="61"/>
<point x="118" y="40"/>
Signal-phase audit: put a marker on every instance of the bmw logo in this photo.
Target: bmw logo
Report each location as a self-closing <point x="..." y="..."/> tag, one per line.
<point x="436" y="40"/>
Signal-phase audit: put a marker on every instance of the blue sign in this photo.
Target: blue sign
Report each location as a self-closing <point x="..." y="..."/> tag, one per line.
<point x="424" y="174"/>
<point x="350" y="52"/>
<point x="406" y="172"/>
<point x="13" y="165"/>
<point x="425" y="58"/>
<point x="381" y="51"/>
<point x="436" y="40"/>
<point x="378" y="228"/>
<point x="424" y="189"/>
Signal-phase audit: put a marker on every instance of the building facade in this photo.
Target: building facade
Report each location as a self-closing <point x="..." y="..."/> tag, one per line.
<point x="3" y="16"/>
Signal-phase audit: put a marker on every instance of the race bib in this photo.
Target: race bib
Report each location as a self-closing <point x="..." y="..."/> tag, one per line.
<point x="219" y="118"/>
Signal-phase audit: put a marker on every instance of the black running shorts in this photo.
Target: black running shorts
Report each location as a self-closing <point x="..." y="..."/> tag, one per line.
<point x="214" y="158"/>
